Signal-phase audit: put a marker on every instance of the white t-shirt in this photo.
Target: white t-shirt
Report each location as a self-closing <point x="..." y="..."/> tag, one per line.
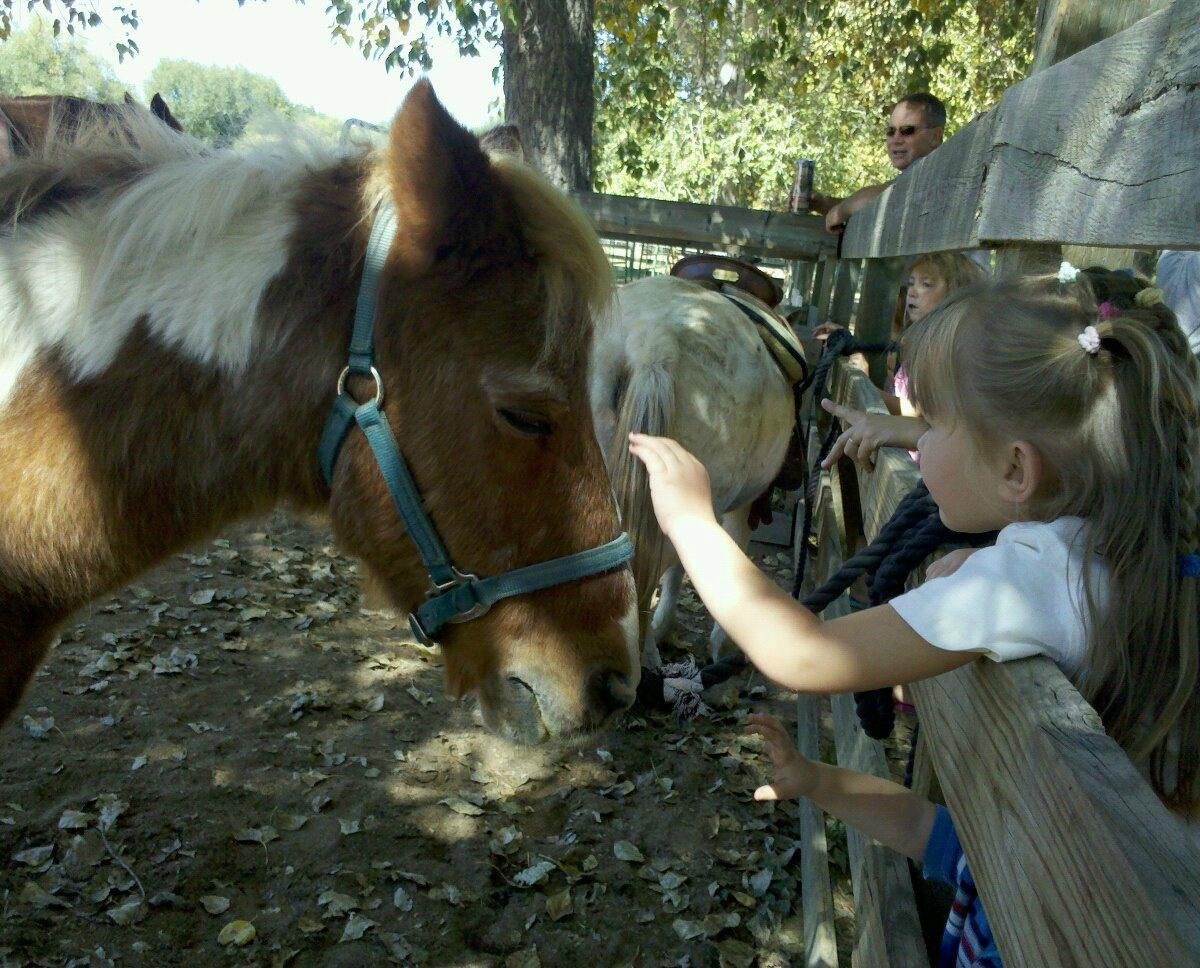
<point x="1023" y="596"/>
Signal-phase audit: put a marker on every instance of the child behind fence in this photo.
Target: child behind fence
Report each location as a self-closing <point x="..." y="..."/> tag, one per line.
<point x="1068" y="423"/>
<point x="931" y="278"/>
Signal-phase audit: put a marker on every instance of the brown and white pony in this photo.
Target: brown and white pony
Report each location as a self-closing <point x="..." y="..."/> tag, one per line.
<point x="172" y="326"/>
<point x="27" y="122"/>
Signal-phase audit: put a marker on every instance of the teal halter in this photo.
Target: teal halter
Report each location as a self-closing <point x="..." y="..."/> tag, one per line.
<point x="454" y="596"/>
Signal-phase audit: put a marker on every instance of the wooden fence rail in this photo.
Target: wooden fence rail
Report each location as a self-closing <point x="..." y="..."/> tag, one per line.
<point x="753" y="231"/>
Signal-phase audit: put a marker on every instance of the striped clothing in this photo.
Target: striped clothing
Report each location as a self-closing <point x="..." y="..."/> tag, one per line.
<point x="967" y="941"/>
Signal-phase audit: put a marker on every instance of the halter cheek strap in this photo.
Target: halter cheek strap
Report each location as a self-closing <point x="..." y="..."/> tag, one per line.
<point x="454" y="596"/>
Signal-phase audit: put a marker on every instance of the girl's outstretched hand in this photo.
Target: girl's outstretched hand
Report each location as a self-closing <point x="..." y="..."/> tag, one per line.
<point x="679" y="484"/>
<point x="866" y="432"/>
<point x="794" y="776"/>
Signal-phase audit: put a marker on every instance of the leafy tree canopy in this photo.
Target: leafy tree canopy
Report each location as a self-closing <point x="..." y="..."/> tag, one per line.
<point x="33" y="61"/>
<point x="224" y="105"/>
<point x="215" y="103"/>
<point x="713" y="99"/>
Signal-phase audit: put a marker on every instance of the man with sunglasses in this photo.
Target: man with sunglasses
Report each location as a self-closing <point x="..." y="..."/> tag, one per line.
<point x="915" y="127"/>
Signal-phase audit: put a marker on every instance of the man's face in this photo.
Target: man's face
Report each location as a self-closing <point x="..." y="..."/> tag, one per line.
<point x="904" y="149"/>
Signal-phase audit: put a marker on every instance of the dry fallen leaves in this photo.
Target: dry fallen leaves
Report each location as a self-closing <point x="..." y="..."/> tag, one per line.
<point x="214" y="903"/>
<point x="626" y="851"/>
<point x="237" y="933"/>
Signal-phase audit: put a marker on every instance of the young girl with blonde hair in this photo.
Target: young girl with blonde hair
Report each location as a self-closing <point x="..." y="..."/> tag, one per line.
<point x="1071" y="428"/>
<point x="931" y="278"/>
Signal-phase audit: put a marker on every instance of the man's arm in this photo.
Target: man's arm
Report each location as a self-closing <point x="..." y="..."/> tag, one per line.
<point x="822" y="203"/>
<point x="837" y="217"/>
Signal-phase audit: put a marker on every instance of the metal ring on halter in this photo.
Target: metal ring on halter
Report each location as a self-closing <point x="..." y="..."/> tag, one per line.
<point x="461" y="578"/>
<point x="341" y="384"/>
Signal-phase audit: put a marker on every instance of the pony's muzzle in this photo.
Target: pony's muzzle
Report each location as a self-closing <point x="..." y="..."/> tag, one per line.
<point x="534" y="709"/>
<point x="607" y="693"/>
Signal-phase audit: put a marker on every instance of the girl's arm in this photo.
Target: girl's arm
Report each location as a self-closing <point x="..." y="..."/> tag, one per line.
<point x="866" y="432"/>
<point x="867" y="650"/>
<point x="881" y="809"/>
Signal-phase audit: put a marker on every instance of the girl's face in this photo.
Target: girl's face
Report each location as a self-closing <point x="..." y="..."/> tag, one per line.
<point x="964" y="478"/>
<point x="925" y="290"/>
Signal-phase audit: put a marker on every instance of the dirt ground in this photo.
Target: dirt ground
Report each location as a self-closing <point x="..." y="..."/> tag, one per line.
<point x="232" y="762"/>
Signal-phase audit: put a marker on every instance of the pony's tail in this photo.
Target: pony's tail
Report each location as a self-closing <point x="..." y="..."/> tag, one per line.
<point x="647" y="407"/>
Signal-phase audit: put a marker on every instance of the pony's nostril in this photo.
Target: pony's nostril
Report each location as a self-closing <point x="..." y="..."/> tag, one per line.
<point x="607" y="692"/>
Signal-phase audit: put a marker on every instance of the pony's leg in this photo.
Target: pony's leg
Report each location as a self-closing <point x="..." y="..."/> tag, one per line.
<point x="18" y="662"/>
<point x="737" y="525"/>
<point x="664" y="615"/>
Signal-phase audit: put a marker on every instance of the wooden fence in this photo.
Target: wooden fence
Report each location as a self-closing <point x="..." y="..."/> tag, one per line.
<point x="1076" y="861"/>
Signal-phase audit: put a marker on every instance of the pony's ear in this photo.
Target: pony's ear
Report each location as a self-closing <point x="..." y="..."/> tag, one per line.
<point x="439" y="176"/>
<point x="159" y="108"/>
<point x="503" y="139"/>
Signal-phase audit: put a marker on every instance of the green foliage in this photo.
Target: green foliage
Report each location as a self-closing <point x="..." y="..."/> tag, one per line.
<point x="705" y="99"/>
<point x="713" y="101"/>
<point x="216" y="104"/>
<point x="34" y="61"/>
<point x="221" y="104"/>
<point x="385" y="28"/>
<point x="69" y="16"/>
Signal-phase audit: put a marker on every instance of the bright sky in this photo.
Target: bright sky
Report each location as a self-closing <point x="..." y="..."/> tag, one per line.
<point x="290" y="43"/>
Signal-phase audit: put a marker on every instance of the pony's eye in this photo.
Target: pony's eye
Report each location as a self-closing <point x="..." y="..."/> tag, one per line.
<point x="524" y="422"/>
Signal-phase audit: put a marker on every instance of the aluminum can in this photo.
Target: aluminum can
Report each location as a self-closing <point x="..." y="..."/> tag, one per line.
<point x="802" y="185"/>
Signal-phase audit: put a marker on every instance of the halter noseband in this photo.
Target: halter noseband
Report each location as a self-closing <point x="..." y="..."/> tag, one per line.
<point x="454" y="596"/>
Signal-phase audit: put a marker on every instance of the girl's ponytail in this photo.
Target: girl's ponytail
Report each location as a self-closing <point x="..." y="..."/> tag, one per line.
<point x="1166" y="375"/>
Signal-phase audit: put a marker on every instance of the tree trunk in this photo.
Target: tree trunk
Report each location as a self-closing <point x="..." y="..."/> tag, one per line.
<point x="548" y="72"/>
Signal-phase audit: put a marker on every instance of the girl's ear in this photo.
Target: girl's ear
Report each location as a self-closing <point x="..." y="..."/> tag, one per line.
<point x="1024" y="471"/>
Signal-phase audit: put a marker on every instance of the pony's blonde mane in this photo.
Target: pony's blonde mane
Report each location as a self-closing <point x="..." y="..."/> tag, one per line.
<point x="108" y="202"/>
<point x="104" y="221"/>
<point x="565" y="242"/>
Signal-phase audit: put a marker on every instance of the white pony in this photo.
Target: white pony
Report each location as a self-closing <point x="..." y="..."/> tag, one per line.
<point x="680" y="360"/>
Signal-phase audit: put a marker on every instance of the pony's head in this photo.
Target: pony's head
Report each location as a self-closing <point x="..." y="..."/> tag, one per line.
<point x="482" y="338"/>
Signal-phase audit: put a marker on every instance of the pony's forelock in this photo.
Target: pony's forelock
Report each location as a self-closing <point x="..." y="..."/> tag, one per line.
<point x="574" y="266"/>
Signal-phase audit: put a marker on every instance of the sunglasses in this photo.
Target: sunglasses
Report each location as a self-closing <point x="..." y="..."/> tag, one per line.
<point x="905" y="130"/>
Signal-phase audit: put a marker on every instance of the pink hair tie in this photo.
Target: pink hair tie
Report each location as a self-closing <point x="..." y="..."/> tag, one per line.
<point x="1089" y="339"/>
<point x="1106" y="310"/>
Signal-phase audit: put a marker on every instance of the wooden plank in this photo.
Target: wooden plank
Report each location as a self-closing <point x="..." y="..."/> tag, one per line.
<point x="1015" y="260"/>
<point x="1065" y="27"/>
<point x="822" y="291"/>
<point x="924" y="779"/>
<point x="1077" y="862"/>
<point x="877" y="308"/>
<point x="781" y="234"/>
<point x="888" y="931"/>
<point x="1097" y="150"/>
<point x="816" y="897"/>
<point x="895" y="472"/>
<point x="845" y="288"/>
